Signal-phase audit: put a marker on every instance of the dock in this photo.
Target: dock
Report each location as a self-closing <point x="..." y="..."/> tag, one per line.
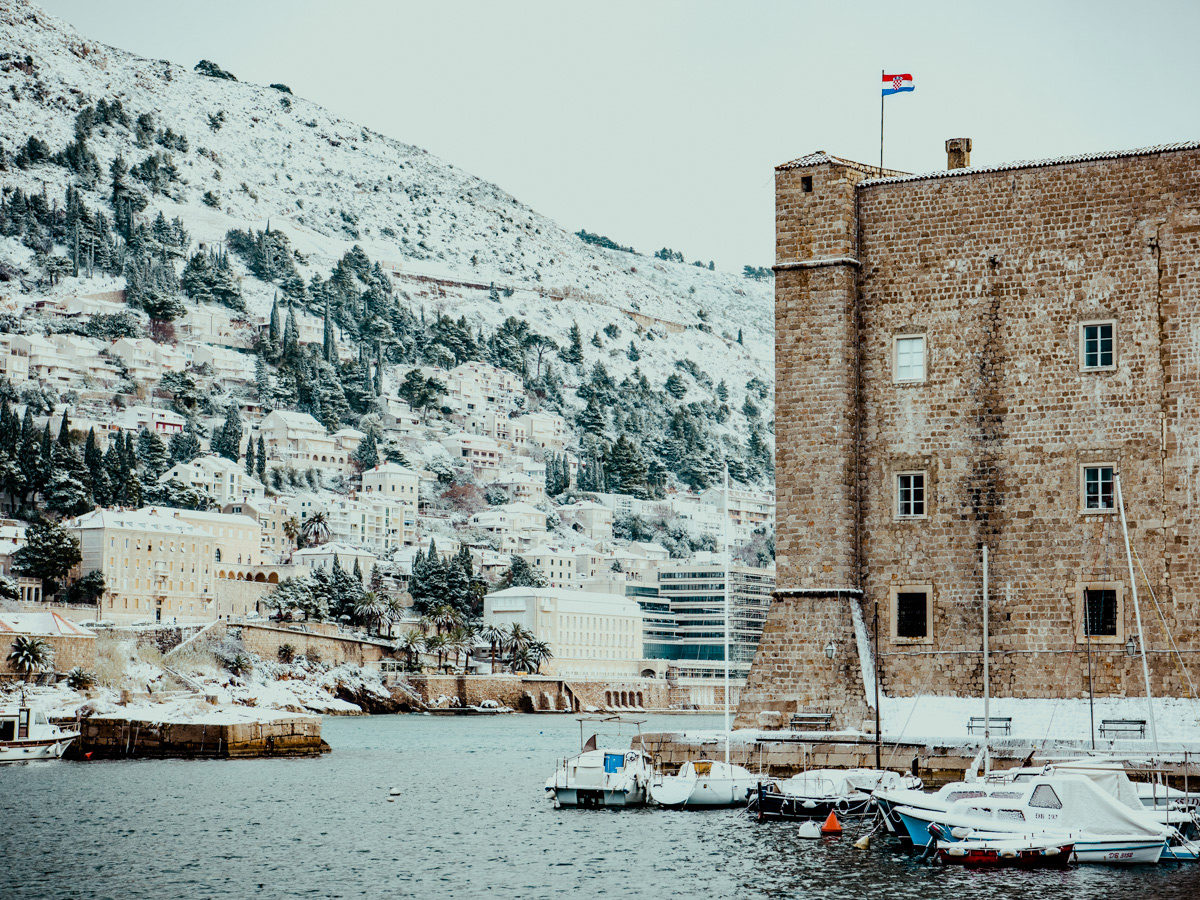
<point x="132" y="737"/>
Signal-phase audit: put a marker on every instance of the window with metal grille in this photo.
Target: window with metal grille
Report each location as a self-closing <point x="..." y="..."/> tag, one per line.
<point x="912" y="618"/>
<point x="1044" y="797"/>
<point x="1100" y="612"/>
<point x="1098" y="488"/>
<point x="910" y="494"/>
<point x="1098" y="345"/>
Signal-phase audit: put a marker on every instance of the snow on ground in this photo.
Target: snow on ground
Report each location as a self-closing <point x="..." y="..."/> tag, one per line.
<point x="943" y="721"/>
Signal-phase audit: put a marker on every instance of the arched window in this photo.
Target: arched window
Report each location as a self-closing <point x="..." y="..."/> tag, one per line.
<point x="218" y="554"/>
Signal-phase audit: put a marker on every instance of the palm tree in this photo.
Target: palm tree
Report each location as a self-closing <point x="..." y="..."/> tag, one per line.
<point x="315" y="530"/>
<point x="458" y="641"/>
<point x="393" y="612"/>
<point x="539" y="652"/>
<point x="521" y="660"/>
<point x="30" y="654"/>
<point x="436" y="643"/>
<point x="412" y="644"/>
<point x="425" y="623"/>
<point x="493" y="634"/>
<point x="291" y="529"/>
<point x="370" y="609"/>
<point x="517" y="643"/>
<point x="446" y="618"/>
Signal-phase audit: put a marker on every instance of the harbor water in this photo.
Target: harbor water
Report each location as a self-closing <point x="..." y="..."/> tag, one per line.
<point x="470" y="820"/>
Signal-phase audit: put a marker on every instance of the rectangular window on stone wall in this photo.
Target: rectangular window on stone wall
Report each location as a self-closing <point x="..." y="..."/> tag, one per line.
<point x="1097" y="345"/>
<point x="1098" y="493"/>
<point x="910" y="495"/>
<point x="1100" y="612"/>
<point x="912" y="614"/>
<point x="910" y="358"/>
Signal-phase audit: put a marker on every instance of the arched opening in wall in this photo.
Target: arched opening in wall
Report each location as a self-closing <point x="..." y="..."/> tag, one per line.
<point x="624" y="699"/>
<point x="260" y="577"/>
<point x="648" y="673"/>
<point x="525" y="703"/>
<point x="273" y="578"/>
<point x="608" y="698"/>
<point x="639" y="699"/>
<point x="241" y="576"/>
<point x="544" y="701"/>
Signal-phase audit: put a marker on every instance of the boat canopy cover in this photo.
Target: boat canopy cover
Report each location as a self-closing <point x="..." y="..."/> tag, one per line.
<point x="839" y="782"/>
<point x="1109" y="776"/>
<point x="1081" y="806"/>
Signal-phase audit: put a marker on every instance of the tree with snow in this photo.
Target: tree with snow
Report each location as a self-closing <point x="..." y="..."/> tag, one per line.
<point x="49" y="553"/>
<point x="228" y="441"/>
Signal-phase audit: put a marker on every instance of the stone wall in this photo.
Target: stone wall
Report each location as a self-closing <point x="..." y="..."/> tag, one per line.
<point x="997" y="270"/>
<point x="265" y="641"/>
<point x="530" y="693"/>
<point x="113" y="737"/>
<point x="69" y="651"/>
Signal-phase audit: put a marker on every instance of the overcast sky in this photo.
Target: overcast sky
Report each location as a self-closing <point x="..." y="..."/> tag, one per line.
<point x="658" y="123"/>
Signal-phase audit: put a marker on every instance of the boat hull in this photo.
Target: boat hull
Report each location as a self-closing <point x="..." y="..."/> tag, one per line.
<point x="1105" y="849"/>
<point x="36" y="750"/>
<point x="767" y="804"/>
<point x="978" y="853"/>
<point x="599" y="798"/>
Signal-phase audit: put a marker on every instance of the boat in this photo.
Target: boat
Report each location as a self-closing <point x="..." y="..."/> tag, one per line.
<point x="815" y="794"/>
<point x="27" y="735"/>
<point x="1065" y="808"/>
<point x="1027" y="852"/>
<point x="601" y="776"/>
<point x="703" y="782"/>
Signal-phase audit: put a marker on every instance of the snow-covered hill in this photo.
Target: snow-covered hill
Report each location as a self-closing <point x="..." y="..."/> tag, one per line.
<point x="264" y="155"/>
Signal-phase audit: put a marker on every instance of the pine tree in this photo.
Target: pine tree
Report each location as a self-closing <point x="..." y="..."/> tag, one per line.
<point x="185" y="445"/>
<point x="228" y="441"/>
<point x="592" y="420"/>
<point x="572" y="354"/>
<point x="250" y="457"/>
<point x="722" y="391"/>
<point x="291" y="337"/>
<point x="274" y="332"/>
<point x="261" y="461"/>
<point x="366" y="455"/>
<point x="632" y="353"/>
<point x="328" y="350"/>
<point x="153" y="458"/>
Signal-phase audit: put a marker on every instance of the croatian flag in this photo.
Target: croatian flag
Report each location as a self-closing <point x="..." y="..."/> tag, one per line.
<point x="897" y="84"/>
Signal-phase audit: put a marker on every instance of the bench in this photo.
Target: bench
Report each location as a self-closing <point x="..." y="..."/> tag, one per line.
<point x="995" y="724"/>
<point x="811" y="720"/>
<point x="1118" y="727"/>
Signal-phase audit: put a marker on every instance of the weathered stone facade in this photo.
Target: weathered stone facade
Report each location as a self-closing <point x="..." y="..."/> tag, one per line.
<point x="998" y="270"/>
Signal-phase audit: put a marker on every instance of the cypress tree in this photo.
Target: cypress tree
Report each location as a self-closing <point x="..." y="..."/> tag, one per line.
<point x="250" y="457"/>
<point x="261" y="460"/>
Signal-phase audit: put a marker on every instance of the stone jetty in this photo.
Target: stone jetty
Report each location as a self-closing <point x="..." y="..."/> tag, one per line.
<point x="134" y="737"/>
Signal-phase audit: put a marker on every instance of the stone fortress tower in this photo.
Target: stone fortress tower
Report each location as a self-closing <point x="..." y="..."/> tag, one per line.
<point x="967" y="358"/>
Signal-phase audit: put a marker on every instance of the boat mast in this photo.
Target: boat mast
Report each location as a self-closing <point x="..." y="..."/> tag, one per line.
<point x="1137" y="612"/>
<point x="986" y="684"/>
<point x="728" y="576"/>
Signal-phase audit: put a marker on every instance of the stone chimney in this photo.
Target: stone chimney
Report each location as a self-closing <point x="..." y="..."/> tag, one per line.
<point x="958" y="153"/>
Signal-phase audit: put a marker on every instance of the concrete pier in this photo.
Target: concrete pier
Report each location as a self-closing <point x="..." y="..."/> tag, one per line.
<point x="937" y="762"/>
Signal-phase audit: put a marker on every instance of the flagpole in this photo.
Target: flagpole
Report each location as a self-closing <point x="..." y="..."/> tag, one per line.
<point x="882" y="73"/>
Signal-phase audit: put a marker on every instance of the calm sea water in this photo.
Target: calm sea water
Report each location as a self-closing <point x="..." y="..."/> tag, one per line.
<point x="471" y="821"/>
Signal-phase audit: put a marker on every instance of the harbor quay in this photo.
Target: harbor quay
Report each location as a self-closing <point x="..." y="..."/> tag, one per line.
<point x="142" y="737"/>
<point x="936" y="761"/>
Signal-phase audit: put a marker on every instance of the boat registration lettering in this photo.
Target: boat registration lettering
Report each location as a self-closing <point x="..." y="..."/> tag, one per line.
<point x="1119" y="854"/>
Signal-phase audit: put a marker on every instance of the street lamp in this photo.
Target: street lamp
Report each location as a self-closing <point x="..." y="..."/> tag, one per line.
<point x="830" y="650"/>
<point x="1131" y="647"/>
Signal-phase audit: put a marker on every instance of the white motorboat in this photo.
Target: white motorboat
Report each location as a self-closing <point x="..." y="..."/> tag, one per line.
<point x="703" y="782"/>
<point x="1067" y="808"/>
<point x="818" y="792"/>
<point x="601" y="776"/>
<point x="27" y="735"/>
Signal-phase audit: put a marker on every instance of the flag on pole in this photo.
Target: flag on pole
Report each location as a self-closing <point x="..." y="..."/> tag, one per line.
<point x="897" y="84"/>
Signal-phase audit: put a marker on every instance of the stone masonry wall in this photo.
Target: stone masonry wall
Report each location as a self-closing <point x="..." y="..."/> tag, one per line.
<point x="997" y="270"/>
<point x="265" y="641"/>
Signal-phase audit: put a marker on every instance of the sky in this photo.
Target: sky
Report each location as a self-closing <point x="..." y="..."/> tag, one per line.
<point x="659" y="123"/>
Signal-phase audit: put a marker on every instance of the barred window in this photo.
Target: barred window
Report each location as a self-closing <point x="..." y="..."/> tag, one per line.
<point x="912" y="615"/>
<point x="1100" y="612"/>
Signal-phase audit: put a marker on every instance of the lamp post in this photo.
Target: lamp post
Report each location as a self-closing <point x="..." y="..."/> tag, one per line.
<point x="830" y="650"/>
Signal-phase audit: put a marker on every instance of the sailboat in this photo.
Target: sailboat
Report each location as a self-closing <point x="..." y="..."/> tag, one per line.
<point x="706" y="782"/>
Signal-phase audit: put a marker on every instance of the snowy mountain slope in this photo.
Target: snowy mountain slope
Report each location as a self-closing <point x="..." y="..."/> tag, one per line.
<point x="329" y="184"/>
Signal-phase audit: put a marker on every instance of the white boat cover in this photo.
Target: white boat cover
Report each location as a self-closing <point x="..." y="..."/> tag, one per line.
<point x="839" y="782"/>
<point x="1079" y="803"/>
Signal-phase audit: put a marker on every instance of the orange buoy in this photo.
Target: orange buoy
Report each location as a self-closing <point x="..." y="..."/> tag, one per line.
<point x="832" y="825"/>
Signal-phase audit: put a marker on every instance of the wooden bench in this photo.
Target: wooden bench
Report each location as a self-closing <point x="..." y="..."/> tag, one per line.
<point x="1118" y="727"/>
<point x="811" y="720"/>
<point x="995" y="725"/>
